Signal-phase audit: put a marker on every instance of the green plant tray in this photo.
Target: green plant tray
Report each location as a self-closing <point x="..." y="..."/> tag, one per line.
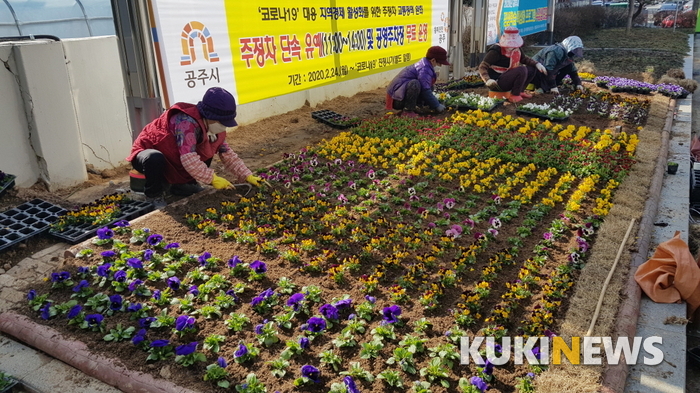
<point x="533" y="114"/>
<point x="333" y="119"/>
<point x="76" y="233"/>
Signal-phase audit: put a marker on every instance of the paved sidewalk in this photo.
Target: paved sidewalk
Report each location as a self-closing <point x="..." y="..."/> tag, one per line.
<point x="674" y="208"/>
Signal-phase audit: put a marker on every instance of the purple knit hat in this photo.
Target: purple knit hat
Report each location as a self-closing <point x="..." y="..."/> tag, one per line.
<point x="219" y="105"/>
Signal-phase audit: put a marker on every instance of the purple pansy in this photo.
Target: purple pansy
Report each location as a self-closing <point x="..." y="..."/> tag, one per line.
<point x="329" y="312"/>
<point x="391" y="314"/>
<point x="115" y="302"/>
<point x="120" y="276"/>
<point x="134" y="263"/>
<point x="82" y="284"/>
<point x="74" y="311"/>
<point x="103" y="270"/>
<point x="311" y="372"/>
<point x="315" y="325"/>
<point x="258" y="267"/>
<point x="184" y="322"/>
<point x="105" y="233"/>
<point x="295" y="300"/>
<point x="154" y="239"/>
<point x="173" y="283"/>
<point x="186" y="349"/>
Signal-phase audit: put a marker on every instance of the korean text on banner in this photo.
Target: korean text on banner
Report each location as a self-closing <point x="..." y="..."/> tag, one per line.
<point x="263" y="49"/>
<point x="529" y="16"/>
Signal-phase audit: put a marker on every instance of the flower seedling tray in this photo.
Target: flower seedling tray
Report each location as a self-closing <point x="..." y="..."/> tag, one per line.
<point x="77" y="233"/>
<point x="7" y="183"/>
<point x="26" y="220"/>
<point x="473" y="108"/>
<point x="333" y="119"/>
<point x="533" y="114"/>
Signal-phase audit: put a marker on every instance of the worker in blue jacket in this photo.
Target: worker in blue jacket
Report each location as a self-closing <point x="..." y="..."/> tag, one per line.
<point x="558" y="59"/>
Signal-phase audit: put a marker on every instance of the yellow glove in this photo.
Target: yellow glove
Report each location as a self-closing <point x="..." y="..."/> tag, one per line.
<point x="256" y="180"/>
<point x="220" y="183"/>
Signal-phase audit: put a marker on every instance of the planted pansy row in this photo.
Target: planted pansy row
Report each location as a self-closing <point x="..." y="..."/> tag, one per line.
<point x="574" y="154"/>
<point x="671" y="90"/>
<point x="526" y="141"/>
<point x="632" y="86"/>
<point x="183" y="326"/>
<point x="624" y="85"/>
<point x="560" y="280"/>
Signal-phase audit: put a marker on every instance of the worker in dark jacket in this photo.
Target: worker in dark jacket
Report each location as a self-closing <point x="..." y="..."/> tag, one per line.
<point x="506" y="68"/>
<point x="414" y="84"/>
<point x="177" y="148"/>
<point x="559" y="61"/>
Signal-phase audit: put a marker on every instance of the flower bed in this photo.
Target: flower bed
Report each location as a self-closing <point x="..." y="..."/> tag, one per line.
<point x="363" y="265"/>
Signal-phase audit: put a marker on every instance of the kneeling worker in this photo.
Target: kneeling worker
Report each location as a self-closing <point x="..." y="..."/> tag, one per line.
<point x="177" y="148"/>
<point x="414" y="84"/>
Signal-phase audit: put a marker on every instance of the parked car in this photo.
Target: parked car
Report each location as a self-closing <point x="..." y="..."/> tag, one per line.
<point x="669" y="7"/>
<point x="686" y="19"/>
<point x="665" y="10"/>
<point x="668" y="21"/>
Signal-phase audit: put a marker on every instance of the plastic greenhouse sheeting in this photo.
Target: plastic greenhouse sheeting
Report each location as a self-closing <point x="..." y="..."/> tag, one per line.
<point x="61" y="18"/>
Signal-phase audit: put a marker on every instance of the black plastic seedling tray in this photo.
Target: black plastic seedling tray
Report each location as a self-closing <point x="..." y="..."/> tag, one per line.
<point x="333" y="119"/>
<point x="77" y="233"/>
<point x="26" y="220"/>
<point x="8" y="183"/>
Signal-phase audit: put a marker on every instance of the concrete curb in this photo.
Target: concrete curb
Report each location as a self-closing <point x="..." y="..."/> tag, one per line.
<point x="615" y="376"/>
<point x="78" y="355"/>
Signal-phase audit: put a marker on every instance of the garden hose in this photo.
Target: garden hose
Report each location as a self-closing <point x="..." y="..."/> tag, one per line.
<point x="607" y="280"/>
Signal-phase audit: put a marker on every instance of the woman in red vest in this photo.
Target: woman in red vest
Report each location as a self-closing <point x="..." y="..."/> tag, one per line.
<point x="177" y="148"/>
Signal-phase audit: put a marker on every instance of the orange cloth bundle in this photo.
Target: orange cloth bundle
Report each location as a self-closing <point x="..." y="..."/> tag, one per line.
<point x="671" y="275"/>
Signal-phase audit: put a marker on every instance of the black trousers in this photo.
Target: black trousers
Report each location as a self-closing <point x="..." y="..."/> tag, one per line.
<point x="547" y="83"/>
<point x="152" y="164"/>
<point x="410" y="99"/>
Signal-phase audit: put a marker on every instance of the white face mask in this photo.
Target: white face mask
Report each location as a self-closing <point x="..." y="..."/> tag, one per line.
<point x="215" y="128"/>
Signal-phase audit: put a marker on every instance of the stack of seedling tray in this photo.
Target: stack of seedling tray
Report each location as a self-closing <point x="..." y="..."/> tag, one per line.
<point x="26" y="220"/>
<point x="335" y="120"/>
<point x="77" y="233"/>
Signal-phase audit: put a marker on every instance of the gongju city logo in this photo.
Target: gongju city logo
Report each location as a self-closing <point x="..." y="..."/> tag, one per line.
<point x="551" y="350"/>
